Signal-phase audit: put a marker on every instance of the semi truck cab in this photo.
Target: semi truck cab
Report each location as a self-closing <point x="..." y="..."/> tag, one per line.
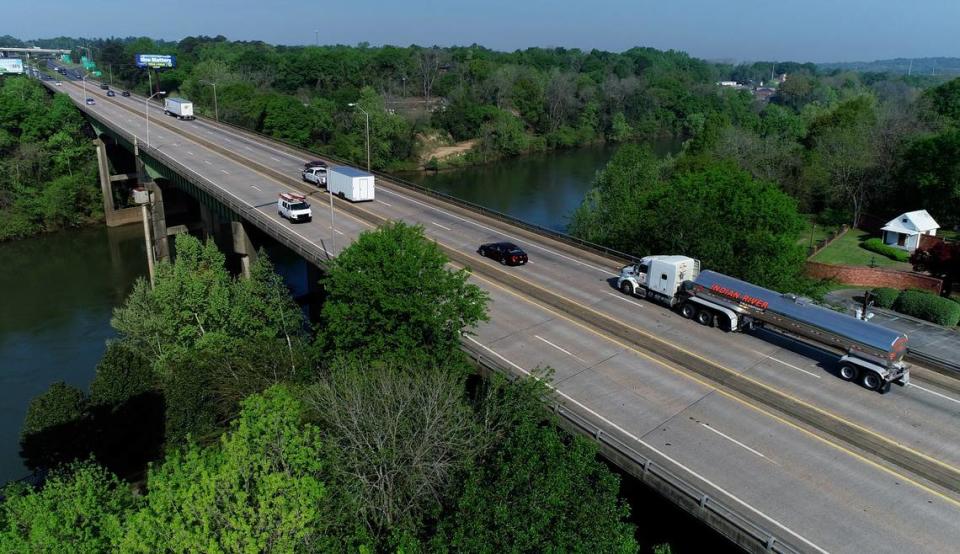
<point x="658" y="277"/>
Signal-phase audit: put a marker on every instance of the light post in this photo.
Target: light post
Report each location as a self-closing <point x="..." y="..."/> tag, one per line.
<point x="216" y="109"/>
<point x="146" y="109"/>
<point x="357" y="106"/>
<point x="83" y="80"/>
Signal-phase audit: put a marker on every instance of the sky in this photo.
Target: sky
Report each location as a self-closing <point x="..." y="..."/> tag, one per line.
<point x="734" y="30"/>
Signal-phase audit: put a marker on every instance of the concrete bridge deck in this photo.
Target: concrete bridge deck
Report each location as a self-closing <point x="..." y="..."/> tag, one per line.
<point x="817" y="463"/>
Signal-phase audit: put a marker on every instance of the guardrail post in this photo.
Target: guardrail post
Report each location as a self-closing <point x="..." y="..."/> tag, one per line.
<point x="703" y="501"/>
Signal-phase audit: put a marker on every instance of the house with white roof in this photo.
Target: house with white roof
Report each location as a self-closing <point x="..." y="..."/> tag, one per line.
<point x="904" y="230"/>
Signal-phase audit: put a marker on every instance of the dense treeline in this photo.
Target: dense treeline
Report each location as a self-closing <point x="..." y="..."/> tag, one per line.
<point x="48" y="170"/>
<point x="368" y="433"/>
<point x="836" y="146"/>
<point x="417" y="97"/>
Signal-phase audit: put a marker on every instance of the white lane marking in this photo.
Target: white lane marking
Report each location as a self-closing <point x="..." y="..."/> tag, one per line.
<point x="256" y="187"/>
<point x="659" y="453"/>
<point x="274" y="159"/>
<point x="810" y="373"/>
<point x="385" y="203"/>
<point x="513" y="238"/>
<point x="248" y="148"/>
<point x="207" y="162"/>
<point x="441" y="226"/>
<point x="337" y="231"/>
<point x="225" y="172"/>
<point x="935" y="393"/>
<point x="572" y="355"/>
<point x="191" y="152"/>
<point x="734" y="441"/>
<point x="625" y="299"/>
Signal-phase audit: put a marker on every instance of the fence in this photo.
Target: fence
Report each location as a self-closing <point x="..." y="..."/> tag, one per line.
<point x="822" y="243"/>
<point x="873" y="277"/>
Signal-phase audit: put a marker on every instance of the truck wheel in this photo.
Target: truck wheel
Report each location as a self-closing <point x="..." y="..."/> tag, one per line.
<point x="871" y="380"/>
<point x="626" y="287"/>
<point x="688" y="311"/>
<point x="848" y="372"/>
<point x="704" y="317"/>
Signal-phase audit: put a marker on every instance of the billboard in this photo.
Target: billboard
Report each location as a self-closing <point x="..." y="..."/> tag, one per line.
<point x="10" y="65"/>
<point x="156" y="60"/>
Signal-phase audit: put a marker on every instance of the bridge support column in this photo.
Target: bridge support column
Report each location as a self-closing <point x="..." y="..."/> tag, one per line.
<point x="206" y="219"/>
<point x="243" y="247"/>
<point x="158" y="222"/>
<point x="112" y="216"/>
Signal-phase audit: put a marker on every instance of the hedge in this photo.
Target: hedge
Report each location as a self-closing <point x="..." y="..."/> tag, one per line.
<point x="928" y="306"/>
<point x="884" y="297"/>
<point x="876" y="245"/>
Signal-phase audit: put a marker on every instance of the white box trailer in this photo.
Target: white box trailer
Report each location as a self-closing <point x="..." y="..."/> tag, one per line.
<point x="179" y="107"/>
<point x="350" y="183"/>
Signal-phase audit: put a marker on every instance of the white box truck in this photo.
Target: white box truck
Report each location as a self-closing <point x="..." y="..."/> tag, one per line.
<point x="350" y="183"/>
<point x="179" y="107"/>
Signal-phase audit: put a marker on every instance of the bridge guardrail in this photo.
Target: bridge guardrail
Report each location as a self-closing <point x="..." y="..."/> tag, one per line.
<point x="656" y="475"/>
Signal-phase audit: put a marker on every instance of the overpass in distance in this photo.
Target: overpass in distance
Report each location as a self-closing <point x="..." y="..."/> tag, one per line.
<point x="754" y="435"/>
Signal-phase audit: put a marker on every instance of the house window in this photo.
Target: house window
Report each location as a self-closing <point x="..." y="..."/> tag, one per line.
<point x="901" y="239"/>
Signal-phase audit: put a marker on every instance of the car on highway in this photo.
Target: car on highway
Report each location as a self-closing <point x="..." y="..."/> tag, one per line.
<point x="316" y="175"/>
<point x="90" y="102"/>
<point x="315" y="163"/>
<point x="59" y="83"/>
<point x="111" y="93"/>
<point x="125" y="93"/>
<point x="105" y="86"/>
<point x="506" y="253"/>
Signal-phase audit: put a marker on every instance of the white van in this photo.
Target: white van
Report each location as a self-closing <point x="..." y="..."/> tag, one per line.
<point x="294" y="207"/>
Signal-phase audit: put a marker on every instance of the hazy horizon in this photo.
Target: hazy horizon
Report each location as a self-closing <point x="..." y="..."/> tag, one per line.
<point x="818" y="31"/>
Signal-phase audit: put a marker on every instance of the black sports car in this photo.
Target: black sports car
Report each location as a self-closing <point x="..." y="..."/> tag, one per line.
<point x="504" y="252"/>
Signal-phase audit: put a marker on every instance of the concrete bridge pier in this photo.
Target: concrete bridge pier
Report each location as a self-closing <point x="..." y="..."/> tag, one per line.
<point x="114" y="217"/>
<point x="243" y="246"/>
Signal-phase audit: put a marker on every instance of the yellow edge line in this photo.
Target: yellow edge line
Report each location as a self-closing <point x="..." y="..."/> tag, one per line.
<point x="734" y="397"/>
<point x="644" y="333"/>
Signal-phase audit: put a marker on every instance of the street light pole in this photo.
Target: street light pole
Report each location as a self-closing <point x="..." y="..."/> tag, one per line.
<point x="216" y="109"/>
<point x="367" y="116"/>
<point x="146" y="109"/>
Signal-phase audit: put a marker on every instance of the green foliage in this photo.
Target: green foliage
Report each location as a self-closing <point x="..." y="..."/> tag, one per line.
<point x="80" y="509"/>
<point x="928" y="306"/>
<point x="538" y="490"/>
<point x="399" y="435"/>
<point x="122" y="373"/>
<point x="390" y="295"/>
<point x="58" y="405"/>
<point x="876" y="245"/>
<point x="944" y="101"/>
<point x="885" y="297"/>
<point x="259" y="490"/>
<point x="732" y="222"/>
<point x="48" y="174"/>
<point x="931" y="176"/>
<point x="195" y="296"/>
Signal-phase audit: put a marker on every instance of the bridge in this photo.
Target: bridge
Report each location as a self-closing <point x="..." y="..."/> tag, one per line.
<point x="752" y="433"/>
<point x="6" y="52"/>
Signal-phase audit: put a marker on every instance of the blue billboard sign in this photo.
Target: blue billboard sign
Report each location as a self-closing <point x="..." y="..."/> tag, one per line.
<point x="156" y="60"/>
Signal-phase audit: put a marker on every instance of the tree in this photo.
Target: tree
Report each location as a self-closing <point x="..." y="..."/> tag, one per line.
<point x="930" y="176"/>
<point x="259" y="490"/>
<point x="80" y="509"/>
<point x="390" y="295"/>
<point x="122" y="374"/>
<point x="536" y="490"/>
<point x="61" y="404"/>
<point x="399" y="436"/>
<point x="195" y="295"/>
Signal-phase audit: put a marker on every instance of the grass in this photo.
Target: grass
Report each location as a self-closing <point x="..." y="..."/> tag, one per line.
<point x="846" y="250"/>
<point x="817" y="231"/>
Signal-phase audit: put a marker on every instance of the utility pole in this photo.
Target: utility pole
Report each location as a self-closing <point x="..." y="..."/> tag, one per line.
<point x="367" y="115"/>
<point x="316" y="35"/>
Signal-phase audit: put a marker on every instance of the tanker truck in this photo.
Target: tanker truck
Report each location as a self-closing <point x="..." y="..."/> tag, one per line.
<point x="868" y="353"/>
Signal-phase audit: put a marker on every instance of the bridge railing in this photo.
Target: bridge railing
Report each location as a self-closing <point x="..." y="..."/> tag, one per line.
<point x="682" y="491"/>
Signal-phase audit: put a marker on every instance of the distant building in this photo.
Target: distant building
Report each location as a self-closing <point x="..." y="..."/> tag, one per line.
<point x="728" y="83"/>
<point x="782" y="78"/>
<point x="904" y="231"/>
<point x="764" y="93"/>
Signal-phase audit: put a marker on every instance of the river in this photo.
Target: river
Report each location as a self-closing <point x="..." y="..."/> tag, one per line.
<point x="59" y="291"/>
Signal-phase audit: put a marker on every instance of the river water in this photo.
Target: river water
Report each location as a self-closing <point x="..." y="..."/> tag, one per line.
<point x="58" y="293"/>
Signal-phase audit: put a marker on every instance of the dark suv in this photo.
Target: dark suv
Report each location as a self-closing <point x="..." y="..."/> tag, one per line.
<point x="105" y="86"/>
<point x="504" y="252"/>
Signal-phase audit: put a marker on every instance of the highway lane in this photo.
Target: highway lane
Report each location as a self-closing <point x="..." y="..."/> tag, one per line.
<point x="564" y="341"/>
<point x="576" y="279"/>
